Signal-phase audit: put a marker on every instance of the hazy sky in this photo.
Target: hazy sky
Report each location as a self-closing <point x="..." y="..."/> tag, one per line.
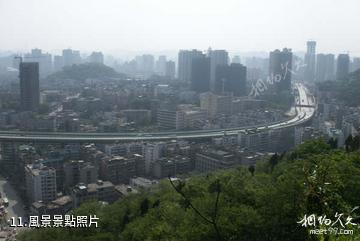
<point x="153" y="25"/>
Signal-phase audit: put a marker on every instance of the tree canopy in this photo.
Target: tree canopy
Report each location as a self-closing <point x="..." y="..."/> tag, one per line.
<point x="260" y="203"/>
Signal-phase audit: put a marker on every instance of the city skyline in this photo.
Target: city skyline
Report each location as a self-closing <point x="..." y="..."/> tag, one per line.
<point x="131" y="25"/>
<point x="179" y="120"/>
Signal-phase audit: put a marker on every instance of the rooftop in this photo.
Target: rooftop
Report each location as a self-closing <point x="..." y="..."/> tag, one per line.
<point x="61" y="201"/>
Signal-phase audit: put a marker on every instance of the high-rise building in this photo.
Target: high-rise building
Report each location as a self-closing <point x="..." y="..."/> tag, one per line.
<point x="236" y="59"/>
<point x="257" y="68"/>
<point x="76" y="57"/>
<point x="200" y="74"/>
<point x="310" y="61"/>
<point x="67" y="57"/>
<point x="148" y="63"/>
<point x="96" y="57"/>
<point x="185" y="63"/>
<point x="36" y="52"/>
<point x="325" y="67"/>
<point x="9" y="157"/>
<point x="355" y="65"/>
<point x="58" y="62"/>
<point x="254" y="74"/>
<point x="170" y="69"/>
<point x="40" y="183"/>
<point x="217" y="58"/>
<point x="71" y="57"/>
<point x="145" y="64"/>
<point x="231" y="79"/>
<point x="280" y="65"/>
<point x="29" y="86"/>
<point x="44" y="60"/>
<point x="343" y="66"/>
<point x="161" y="65"/>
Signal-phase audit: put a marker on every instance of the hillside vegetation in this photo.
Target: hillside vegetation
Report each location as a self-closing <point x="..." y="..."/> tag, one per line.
<point x="241" y="204"/>
<point x="85" y="71"/>
<point x="346" y="91"/>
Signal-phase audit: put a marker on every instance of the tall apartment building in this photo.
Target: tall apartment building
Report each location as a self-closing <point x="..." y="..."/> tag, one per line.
<point x="145" y="64"/>
<point x="29" y="86"/>
<point x="325" y="67"/>
<point x="161" y="65"/>
<point x="40" y="183"/>
<point x="355" y="65"/>
<point x="58" y="62"/>
<point x="9" y="156"/>
<point x="217" y="58"/>
<point x="343" y="66"/>
<point x="200" y="74"/>
<point x="71" y="57"/>
<point x="170" y="69"/>
<point x="281" y="64"/>
<point x="231" y="79"/>
<point x="185" y="63"/>
<point x="310" y="61"/>
<point x="44" y="60"/>
<point x="96" y="57"/>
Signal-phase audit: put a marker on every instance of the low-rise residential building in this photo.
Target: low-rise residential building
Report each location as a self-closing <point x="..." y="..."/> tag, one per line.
<point x="117" y="169"/>
<point x="142" y="183"/>
<point x="78" y="171"/>
<point x="171" y="166"/>
<point x="125" y="190"/>
<point x="215" y="104"/>
<point x="210" y="160"/>
<point x="59" y="206"/>
<point x="101" y="191"/>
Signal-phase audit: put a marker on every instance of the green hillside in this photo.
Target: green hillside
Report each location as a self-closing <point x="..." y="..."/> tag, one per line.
<point x="346" y="91"/>
<point x="85" y="71"/>
<point x="252" y="204"/>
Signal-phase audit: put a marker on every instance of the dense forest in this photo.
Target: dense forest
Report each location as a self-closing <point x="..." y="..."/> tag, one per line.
<point x="260" y="203"/>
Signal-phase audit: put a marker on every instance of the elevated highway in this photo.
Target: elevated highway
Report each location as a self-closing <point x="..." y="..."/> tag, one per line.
<point x="304" y="106"/>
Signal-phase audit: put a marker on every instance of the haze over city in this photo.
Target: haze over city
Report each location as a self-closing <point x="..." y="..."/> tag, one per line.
<point x="162" y="25"/>
<point x="230" y="120"/>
